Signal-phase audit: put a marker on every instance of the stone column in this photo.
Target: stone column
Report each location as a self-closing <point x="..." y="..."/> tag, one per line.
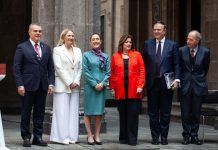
<point x="82" y="16"/>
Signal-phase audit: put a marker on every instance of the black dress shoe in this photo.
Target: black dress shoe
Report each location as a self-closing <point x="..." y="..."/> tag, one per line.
<point x="132" y="143"/>
<point x="164" y="141"/>
<point x="196" y="141"/>
<point x="39" y="142"/>
<point x="155" y="141"/>
<point x="123" y="141"/>
<point x="185" y="140"/>
<point x="26" y="143"/>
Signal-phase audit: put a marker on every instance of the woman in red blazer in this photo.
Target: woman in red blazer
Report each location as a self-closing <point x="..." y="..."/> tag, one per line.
<point x="126" y="83"/>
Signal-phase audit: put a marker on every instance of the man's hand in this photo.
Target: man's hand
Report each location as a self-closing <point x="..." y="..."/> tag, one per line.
<point x="175" y="85"/>
<point x="21" y="90"/>
<point x="50" y="90"/>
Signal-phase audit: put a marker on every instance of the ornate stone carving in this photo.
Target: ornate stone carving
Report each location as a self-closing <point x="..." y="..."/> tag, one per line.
<point x="156" y="10"/>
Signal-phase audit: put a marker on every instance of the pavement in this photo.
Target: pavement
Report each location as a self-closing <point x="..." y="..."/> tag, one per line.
<point x="13" y="140"/>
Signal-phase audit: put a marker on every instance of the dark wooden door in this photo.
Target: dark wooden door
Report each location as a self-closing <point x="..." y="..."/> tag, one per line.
<point x="15" y="16"/>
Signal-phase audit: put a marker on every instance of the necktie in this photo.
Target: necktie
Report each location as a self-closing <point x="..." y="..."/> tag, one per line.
<point x="158" y="58"/>
<point x="37" y="50"/>
<point x="192" y="53"/>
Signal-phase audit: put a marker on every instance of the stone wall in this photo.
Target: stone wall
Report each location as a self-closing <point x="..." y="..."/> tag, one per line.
<point x="82" y="16"/>
<point x="210" y="38"/>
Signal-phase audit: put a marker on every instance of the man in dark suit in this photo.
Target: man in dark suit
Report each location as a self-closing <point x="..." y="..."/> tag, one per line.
<point x="160" y="56"/>
<point x="34" y="75"/>
<point x="194" y="65"/>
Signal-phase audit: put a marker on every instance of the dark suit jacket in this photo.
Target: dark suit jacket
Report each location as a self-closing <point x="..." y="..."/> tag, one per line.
<point x="29" y="71"/>
<point x="169" y="60"/>
<point x="194" y="75"/>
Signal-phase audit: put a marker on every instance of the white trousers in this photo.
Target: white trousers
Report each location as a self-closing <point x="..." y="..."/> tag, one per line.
<point x="65" y="119"/>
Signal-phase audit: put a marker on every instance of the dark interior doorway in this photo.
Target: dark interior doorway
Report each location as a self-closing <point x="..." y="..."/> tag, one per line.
<point x="189" y="18"/>
<point x="15" y="16"/>
<point x="138" y="21"/>
<point x="196" y="15"/>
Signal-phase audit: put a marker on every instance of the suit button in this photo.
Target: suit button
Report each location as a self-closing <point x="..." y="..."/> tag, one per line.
<point x="72" y="68"/>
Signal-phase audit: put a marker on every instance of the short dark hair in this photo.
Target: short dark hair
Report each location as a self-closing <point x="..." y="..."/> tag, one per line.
<point x="94" y="34"/>
<point x="162" y="23"/>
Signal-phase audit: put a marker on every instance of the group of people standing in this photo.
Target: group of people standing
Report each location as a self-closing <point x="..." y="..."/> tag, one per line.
<point x="40" y="71"/>
<point x="190" y="65"/>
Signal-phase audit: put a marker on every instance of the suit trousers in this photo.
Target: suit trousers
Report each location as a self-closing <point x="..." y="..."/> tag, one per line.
<point x="190" y="112"/>
<point x="65" y="119"/>
<point x="129" y="119"/>
<point x="159" y="108"/>
<point x="129" y="110"/>
<point x="36" y="101"/>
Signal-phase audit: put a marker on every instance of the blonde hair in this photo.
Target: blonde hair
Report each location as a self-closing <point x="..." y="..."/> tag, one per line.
<point x="62" y="36"/>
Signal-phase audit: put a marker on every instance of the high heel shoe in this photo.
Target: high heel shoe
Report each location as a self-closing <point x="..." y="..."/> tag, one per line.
<point x="74" y="142"/>
<point x="90" y="143"/>
<point x="97" y="142"/>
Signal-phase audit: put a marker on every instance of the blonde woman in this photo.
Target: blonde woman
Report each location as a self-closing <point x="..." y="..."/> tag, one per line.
<point x="68" y="69"/>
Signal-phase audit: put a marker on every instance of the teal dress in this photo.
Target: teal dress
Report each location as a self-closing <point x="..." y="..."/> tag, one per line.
<point x="94" y="100"/>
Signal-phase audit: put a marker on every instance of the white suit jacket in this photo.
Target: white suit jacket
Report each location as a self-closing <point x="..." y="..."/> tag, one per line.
<point x="67" y="71"/>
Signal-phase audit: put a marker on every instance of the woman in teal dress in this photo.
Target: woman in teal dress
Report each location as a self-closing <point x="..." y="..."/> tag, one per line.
<point x="96" y="71"/>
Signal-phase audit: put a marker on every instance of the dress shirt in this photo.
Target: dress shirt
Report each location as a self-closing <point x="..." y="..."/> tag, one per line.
<point x="39" y="47"/>
<point x="162" y="44"/>
<point x="195" y="50"/>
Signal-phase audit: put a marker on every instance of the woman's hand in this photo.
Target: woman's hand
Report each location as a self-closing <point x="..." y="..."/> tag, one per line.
<point x="73" y="85"/>
<point x="112" y="91"/>
<point x="99" y="86"/>
<point x="139" y="90"/>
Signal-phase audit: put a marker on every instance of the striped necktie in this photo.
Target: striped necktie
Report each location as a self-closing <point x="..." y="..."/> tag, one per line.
<point x="37" y="50"/>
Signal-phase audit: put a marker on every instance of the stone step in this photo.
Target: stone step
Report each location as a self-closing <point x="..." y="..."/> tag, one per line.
<point x="82" y="128"/>
<point x="175" y="116"/>
<point x="176" y="112"/>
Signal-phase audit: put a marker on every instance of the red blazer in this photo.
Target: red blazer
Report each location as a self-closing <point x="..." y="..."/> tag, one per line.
<point x="136" y="74"/>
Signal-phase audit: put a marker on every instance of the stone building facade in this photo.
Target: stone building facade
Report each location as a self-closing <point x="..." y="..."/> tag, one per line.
<point x="82" y="16"/>
<point x="136" y="17"/>
<point x="111" y="19"/>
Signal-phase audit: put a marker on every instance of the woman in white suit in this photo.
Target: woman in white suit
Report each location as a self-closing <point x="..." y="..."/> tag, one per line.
<point x="68" y="70"/>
